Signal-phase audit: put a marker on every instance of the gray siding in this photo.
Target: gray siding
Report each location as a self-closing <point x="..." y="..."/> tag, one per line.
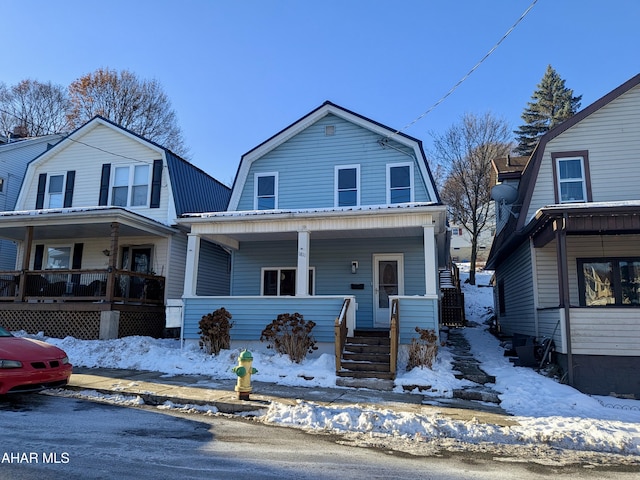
<point x="215" y="278"/>
<point x="305" y="165"/>
<point x="517" y="275"/>
<point x="332" y="262"/>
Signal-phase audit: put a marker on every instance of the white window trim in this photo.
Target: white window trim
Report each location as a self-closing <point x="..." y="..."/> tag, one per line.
<point x="411" y="180"/>
<point x="130" y="183"/>
<point x="45" y="260"/>
<point x="582" y="179"/>
<point x="279" y="269"/>
<point x="336" y="192"/>
<point x="255" y="188"/>
<point x="47" y="194"/>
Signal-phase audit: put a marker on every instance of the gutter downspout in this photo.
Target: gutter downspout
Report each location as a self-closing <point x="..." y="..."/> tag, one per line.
<point x="560" y="227"/>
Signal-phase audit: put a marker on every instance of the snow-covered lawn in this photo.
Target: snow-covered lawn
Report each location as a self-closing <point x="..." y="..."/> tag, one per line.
<point x="550" y="414"/>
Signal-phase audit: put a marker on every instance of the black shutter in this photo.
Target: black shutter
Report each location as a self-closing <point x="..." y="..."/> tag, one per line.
<point x="76" y="263"/>
<point x="38" y="257"/>
<point x="156" y="184"/>
<point x="42" y="184"/>
<point x="68" y="190"/>
<point x="104" y="184"/>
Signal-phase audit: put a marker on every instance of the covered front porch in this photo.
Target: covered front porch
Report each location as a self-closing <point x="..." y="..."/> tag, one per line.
<point x="86" y="273"/>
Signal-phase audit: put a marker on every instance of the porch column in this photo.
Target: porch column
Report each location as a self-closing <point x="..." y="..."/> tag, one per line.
<point x="302" y="278"/>
<point x="430" y="260"/>
<point x="113" y="261"/>
<point x="26" y="259"/>
<point x="191" y="267"/>
<point x="559" y="225"/>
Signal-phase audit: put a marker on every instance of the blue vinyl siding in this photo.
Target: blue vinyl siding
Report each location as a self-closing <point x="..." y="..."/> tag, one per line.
<point x="332" y="262"/>
<point x="250" y="315"/>
<point x="417" y="312"/>
<point x="214" y="277"/>
<point x="305" y="164"/>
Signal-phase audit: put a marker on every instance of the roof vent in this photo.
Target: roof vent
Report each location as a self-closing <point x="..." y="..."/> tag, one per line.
<point x="329" y="130"/>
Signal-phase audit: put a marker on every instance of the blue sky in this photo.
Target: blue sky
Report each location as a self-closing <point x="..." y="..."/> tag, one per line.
<point x="237" y="72"/>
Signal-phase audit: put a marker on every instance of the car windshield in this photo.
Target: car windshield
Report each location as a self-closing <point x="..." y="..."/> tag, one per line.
<point x="5" y="333"/>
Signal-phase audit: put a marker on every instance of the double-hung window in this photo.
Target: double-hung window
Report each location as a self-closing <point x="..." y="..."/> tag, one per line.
<point x="282" y="281"/>
<point x="571" y="177"/>
<point x="400" y="183"/>
<point x="130" y="186"/>
<point x="347" y="181"/>
<point x="266" y="191"/>
<point x="609" y="281"/>
<point x="55" y="191"/>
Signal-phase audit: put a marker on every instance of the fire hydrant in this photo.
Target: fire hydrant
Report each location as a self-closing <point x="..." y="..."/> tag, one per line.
<point x="244" y="370"/>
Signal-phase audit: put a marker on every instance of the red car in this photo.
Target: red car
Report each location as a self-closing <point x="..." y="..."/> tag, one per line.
<point x="28" y="365"/>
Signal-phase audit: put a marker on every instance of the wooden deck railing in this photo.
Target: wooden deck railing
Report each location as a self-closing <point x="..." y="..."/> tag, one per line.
<point x="82" y="285"/>
<point x="340" y="330"/>
<point x="394" y="334"/>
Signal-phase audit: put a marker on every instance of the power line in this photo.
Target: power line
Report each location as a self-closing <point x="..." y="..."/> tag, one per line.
<point x="475" y="67"/>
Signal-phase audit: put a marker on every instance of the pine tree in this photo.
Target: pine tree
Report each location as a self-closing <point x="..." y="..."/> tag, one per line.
<point x="552" y="103"/>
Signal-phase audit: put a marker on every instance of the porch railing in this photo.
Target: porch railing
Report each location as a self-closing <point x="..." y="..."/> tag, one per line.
<point x="82" y="285"/>
<point x="394" y="334"/>
<point x="340" y="330"/>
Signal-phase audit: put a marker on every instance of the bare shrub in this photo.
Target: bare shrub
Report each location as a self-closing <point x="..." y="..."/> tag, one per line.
<point x="215" y="331"/>
<point x="290" y="334"/>
<point x="423" y="351"/>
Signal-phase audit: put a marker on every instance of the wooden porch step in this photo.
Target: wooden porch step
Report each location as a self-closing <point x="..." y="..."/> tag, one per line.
<point x="368" y="341"/>
<point x="367" y="374"/>
<point x="367" y="349"/>
<point x="355" y="366"/>
<point x="378" y="357"/>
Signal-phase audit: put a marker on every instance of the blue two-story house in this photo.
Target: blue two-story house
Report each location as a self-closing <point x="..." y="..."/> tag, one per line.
<point x="336" y="217"/>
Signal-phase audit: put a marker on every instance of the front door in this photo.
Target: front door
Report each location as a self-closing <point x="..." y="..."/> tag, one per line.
<point x="136" y="259"/>
<point x="388" y="280"/>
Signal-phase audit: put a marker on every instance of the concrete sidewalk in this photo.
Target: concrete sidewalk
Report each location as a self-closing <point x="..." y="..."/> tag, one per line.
<point x="156" y="388"/>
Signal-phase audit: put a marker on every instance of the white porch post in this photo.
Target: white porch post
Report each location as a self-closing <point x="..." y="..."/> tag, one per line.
<point x="302" y="277"/>
<point x="430" y="263"/>
<point x="191" y="267"/>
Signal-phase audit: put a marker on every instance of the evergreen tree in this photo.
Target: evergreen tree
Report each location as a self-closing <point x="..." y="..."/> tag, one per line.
<point x="552" y="103"/>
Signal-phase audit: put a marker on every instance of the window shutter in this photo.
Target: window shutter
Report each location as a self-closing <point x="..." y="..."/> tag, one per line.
<point x="156" y="184"/>
<point x="104" y="184"/>
<point x="68" y="191"/>
<point x="76" y="263"/>
<point x="42" y="184"/>
<point x="38" y="257"/>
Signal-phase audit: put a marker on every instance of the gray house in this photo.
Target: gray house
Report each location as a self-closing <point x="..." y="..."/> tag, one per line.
<point x="14" y="157"/>
<point x="567" y="261"/>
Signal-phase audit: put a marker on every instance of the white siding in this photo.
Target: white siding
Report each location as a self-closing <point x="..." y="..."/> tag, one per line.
<point x="611" y="135"/>
<point x="99" y="145"/>
<point x="616" y="334"/>
<point x="547" y="276"/>
<point x="176" y="262"/>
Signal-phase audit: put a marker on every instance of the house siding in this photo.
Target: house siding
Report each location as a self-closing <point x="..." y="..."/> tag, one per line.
<point x="309" y="158"/>
<point x="611" y="135"/>
<point x="332" y="262"/>
<point x="517" y="277"/>
<point x="176" y="261"/>
<point x="111" y="146"/>
<point x="215" y="278"/>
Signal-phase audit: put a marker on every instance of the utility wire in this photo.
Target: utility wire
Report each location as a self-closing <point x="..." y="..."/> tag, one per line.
<point x="475" y="67"/>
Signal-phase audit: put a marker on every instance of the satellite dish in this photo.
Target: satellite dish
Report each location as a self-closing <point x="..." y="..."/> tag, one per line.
<point x="504" y="194"/>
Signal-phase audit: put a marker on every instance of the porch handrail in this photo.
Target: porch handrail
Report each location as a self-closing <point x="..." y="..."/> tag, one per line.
<point x="394" y="331"/>
<point x="340" y="330"/>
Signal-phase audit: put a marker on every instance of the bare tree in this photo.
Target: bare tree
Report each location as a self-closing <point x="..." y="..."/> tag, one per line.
<point x="33" y="108"/>
<point x="138" y="105"/>
<point x="465" y="152"/>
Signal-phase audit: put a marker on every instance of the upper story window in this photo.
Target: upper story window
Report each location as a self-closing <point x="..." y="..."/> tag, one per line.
<point x="571" y="177"/>
<point x="400" y="183"/>
<point x="130" y="186"/>
<point x="266" y="191"/>
<point x="347" y="181"/>
<point x="609" y="281"/>
<point x="55" y="191"/>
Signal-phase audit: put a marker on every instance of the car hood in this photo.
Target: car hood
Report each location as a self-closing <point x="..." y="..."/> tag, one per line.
<point x="16" y="348"/>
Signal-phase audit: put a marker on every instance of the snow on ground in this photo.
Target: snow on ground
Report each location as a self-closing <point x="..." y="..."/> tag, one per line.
<point x="549" y="415"/>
